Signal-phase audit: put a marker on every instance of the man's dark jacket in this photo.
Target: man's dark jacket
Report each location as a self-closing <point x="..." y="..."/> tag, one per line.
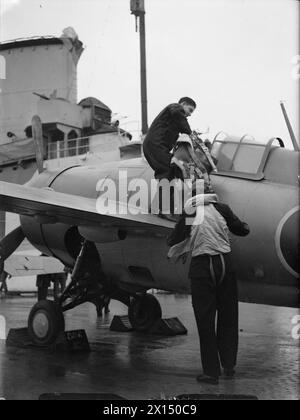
<point x="167" y="126"/>
<point x="161" y="139"/>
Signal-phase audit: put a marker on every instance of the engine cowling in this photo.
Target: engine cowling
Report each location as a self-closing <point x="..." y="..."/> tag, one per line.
<point x="60" y="240"/>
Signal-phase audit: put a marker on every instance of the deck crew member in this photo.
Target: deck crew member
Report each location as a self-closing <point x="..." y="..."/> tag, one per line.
<point x="213" y="281"/>
<point x="43" y="282"/>
<point x="161" y="139"/>
<point x="163" y="134"/>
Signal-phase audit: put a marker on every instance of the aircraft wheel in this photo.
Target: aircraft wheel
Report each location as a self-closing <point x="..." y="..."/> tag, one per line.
<point x="143" y="312"/>
<point x="46" y="321"/>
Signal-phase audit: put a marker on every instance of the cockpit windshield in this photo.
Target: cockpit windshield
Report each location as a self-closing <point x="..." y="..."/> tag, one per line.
<point x="242" y="157"/>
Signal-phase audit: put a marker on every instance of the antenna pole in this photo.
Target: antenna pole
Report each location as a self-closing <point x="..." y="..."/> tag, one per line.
<point x="138" y="9"/>
<point x="290" y="128"/>
<point x="143" y="74"/>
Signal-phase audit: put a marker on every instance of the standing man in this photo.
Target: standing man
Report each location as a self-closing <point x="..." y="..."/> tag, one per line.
<point x="213" y="281"/>
<point x="43" y="282"/>
<point x="163" y="134"/>
<point x="59" y="280"/>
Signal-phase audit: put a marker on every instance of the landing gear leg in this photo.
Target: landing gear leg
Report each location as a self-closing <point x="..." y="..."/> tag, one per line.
<point x="46" y="319"/>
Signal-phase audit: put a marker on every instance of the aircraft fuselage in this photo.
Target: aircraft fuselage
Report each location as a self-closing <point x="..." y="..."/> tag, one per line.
<point x="266" y="261"/>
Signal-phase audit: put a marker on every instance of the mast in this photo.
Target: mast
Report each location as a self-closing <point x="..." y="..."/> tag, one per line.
<point x="290" y="128"/>
<point x="138" y="9"/>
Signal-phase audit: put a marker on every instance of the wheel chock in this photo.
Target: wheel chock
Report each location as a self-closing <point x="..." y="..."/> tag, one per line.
<point x="73" y="341"/>
<point x="121" y="324"/>
<point x="81" y="397"/>
<point x="70" y="341"/>
<point x="19" y="337"/>
<point x="217" y="397"/>
<point x="168" y="327"/>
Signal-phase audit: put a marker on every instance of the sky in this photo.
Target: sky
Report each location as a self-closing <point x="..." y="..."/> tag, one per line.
<point x="233" y="57"/>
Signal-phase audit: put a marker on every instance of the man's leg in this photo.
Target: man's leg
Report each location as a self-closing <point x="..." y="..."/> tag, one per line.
<point x="3" y="287"/>
<point x="63" y="283"/>
<point x="204" y="304"/>
<point x="106" y="307"/>
<point x="42" y="283"/>
<point x="42" y="293"/>
<point x="228" y="324"/>
<point x="99" y="308"/>
<point x="159" y="158"/>
<point x="56" y="289"/>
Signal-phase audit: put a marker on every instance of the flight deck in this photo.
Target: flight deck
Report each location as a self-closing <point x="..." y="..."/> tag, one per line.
<point x="141" y="366"/>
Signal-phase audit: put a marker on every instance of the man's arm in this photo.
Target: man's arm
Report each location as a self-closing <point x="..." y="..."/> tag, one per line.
<point x="178" y="115"/>
<point x="181" y="231"/>
<point x="235" y="225"/>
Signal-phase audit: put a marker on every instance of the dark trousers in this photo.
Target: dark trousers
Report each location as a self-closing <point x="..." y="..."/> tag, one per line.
<point x="3" y="287"/>
<point x="44" y="282"/>
<point x="159" y="158"/>
<point x="215" y="299"/>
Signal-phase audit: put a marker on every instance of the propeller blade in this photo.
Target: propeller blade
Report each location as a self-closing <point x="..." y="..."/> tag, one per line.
<point x="10" y="243"/>
<point x="37" y="133"/>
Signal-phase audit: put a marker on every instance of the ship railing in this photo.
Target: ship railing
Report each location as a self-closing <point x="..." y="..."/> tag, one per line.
<point x="68" y="148"/>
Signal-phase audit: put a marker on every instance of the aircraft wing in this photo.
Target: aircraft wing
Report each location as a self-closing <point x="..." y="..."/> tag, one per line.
<point x="72" y="209"/>
<point x="31" y="265"/>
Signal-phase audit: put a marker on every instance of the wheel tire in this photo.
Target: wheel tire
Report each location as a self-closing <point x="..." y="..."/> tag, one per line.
<point x="144" y="312"/>
<point x="45" y="323"/>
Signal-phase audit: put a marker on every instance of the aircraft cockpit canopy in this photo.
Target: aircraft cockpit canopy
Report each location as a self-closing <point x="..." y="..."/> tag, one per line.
<point x="242" y="157"/>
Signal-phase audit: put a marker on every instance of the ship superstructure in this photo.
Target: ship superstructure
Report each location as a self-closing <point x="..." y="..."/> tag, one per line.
<point x="41" y="79"/>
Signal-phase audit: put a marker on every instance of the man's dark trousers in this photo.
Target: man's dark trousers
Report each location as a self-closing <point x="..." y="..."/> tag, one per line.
<point x="212" y="297"/>
<point x="159" y="158"/>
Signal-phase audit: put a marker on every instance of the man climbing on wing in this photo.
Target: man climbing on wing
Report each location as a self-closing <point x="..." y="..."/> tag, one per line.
<point x="162" y="136"/>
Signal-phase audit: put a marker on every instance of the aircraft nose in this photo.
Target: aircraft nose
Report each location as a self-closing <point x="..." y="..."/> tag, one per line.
<point x="287" y="241"/>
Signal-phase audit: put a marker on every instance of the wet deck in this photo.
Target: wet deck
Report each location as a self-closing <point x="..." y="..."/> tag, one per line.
<point x="142" y="367"/>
